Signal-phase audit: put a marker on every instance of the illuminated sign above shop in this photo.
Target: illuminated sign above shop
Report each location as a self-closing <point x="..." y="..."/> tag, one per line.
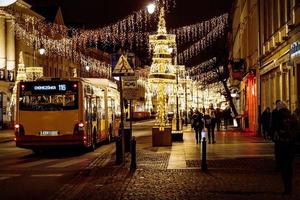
<point x="295" y="49"/>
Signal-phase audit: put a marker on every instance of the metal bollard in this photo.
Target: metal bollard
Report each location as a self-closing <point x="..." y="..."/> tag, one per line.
<point x="203" y="160"/>
<point x="119" y="157"/>
<point x="133" y="153"/>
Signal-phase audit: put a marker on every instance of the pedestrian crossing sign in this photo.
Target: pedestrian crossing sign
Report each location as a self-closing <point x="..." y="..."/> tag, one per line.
<point x="123" y="68"/>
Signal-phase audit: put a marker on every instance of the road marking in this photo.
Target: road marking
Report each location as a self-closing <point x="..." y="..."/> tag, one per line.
<point x="9" y="175"/>
<point x="67" y="163"/>
<point x="32" y="164"/>
<point x="46" y="175"/>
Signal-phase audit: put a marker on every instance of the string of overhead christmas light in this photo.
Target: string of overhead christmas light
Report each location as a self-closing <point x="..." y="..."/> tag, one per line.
<point x="202" y="67"/>
<point x="62" y="47"/>
<point x="70" y="42"/>
<point x="193" y="32"/>
<point x="202" y="44"/>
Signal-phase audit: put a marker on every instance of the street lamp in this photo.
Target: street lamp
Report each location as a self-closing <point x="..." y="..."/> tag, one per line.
<point x="151" y="8"/>
<point x="87" y="67"/>
<point x="5" y="3"/>
<point x="42" y="50"/>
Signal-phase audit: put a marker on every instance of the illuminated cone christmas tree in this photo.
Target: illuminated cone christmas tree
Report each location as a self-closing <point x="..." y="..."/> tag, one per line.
<point x="162" y="72"/>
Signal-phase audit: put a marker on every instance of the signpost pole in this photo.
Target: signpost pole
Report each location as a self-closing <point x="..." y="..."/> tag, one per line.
<point x="122" y="119"/>
<point x="130" y="106"/>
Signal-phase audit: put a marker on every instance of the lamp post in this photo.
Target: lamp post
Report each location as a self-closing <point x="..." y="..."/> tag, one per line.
<point x="186" y="106"/>
<point x="177" y="104"/>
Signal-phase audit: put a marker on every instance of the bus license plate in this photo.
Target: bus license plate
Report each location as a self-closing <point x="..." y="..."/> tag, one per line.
<point x="49" y="133"/>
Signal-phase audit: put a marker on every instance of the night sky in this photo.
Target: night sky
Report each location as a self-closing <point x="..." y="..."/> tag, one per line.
<point x="97" y="13"/>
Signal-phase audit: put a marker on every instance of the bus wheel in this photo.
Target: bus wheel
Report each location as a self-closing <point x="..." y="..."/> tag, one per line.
<point x="37" y="151"/>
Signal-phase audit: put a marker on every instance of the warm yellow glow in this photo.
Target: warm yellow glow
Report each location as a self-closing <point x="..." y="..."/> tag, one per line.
<point x="4" y="3"/>
<point x="151" y="8"/>
<point x="42" y="51"/>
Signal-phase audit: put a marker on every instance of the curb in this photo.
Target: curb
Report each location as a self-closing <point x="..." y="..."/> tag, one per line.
<point x="6" y="140"/>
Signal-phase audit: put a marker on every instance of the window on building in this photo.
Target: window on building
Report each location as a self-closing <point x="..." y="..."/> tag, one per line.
<point x="282" y="12"/>
<point x="266" y="20"/>
<point x="270" y="17"/>
<point x="288" y="10"/>
<point x="275" y="15"/>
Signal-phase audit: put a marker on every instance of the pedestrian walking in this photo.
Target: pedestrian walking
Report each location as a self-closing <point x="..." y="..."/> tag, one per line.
<point x="266" y="123"/>
<point x="210" y="123"/>
<point x="218" y="118"/>
<point x="226" y="115"/>
<point x="190" y="115"/>
<point x="287" y="127"/>
<point x="197" y="124"/>
<point x="274" y="131"/>
<point x="296" y="117"/>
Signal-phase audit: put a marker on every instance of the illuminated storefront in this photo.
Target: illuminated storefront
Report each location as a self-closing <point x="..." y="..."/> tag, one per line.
<point x="249" y="103"/>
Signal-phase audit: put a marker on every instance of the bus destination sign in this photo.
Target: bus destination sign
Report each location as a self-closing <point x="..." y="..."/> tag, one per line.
<point x="59" y="87"/>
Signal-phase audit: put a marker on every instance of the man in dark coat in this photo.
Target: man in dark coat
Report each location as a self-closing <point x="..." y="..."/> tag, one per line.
<point x="266" y="123"/>
<point x="197" y="124"/>
<point x="287" y="127"/>
<point x="274" y="131"/>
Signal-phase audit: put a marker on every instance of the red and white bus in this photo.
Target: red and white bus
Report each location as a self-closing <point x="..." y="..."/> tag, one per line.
<point x="77" y="112"/>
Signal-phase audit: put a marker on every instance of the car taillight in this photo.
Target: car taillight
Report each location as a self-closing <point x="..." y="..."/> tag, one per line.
<point x="19" y="130"/>
<point x="79" y="129"/>
<point x="81" y="125"/>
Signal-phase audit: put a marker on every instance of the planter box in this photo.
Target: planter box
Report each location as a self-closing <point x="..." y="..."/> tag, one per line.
<point x="161" y="138"/>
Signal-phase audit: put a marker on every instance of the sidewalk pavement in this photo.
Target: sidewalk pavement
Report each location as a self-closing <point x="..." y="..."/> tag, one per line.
<point x="7" y="135"/>
<point x="240" y="167"/>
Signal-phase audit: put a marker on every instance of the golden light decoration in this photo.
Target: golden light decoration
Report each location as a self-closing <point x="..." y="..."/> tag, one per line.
<point x="162" y="71"/>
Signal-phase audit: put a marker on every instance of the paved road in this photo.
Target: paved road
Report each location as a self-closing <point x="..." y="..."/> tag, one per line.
<point x="24" y="175"/>
<point x="32" y="176"/>
<point x="241" y="166"/>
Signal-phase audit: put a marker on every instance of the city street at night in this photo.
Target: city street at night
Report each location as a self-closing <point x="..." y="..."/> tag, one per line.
<point x="150" y="99"/>
<point x="240" y="166"/>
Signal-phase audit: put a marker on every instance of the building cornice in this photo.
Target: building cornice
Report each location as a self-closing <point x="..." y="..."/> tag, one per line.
<point x="23" y="4"/>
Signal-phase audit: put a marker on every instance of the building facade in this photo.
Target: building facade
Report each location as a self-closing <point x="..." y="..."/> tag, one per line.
<point x="279" y="70"/>
<point x="266" y="35"/>
<point x="244" y="53"/>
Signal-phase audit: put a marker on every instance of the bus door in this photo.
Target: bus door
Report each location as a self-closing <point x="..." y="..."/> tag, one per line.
<point x="95" y="116"/>
<point x="98" y="120"/>
<point x="88" y="116"/>
<point x="113" y="116"/>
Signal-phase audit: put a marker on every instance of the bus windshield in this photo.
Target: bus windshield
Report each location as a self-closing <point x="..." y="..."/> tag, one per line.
<point x="48" y="96"/>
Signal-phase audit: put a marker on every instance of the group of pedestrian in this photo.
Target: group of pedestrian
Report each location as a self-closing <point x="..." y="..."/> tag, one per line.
<point x="207" y="119"/>
<point x="282" y="127"/>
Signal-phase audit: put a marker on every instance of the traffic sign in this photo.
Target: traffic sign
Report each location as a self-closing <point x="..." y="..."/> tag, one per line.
<point x="130" y="82"/>
<point x="123" y="68"/>
<point x="130" y="87"/>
